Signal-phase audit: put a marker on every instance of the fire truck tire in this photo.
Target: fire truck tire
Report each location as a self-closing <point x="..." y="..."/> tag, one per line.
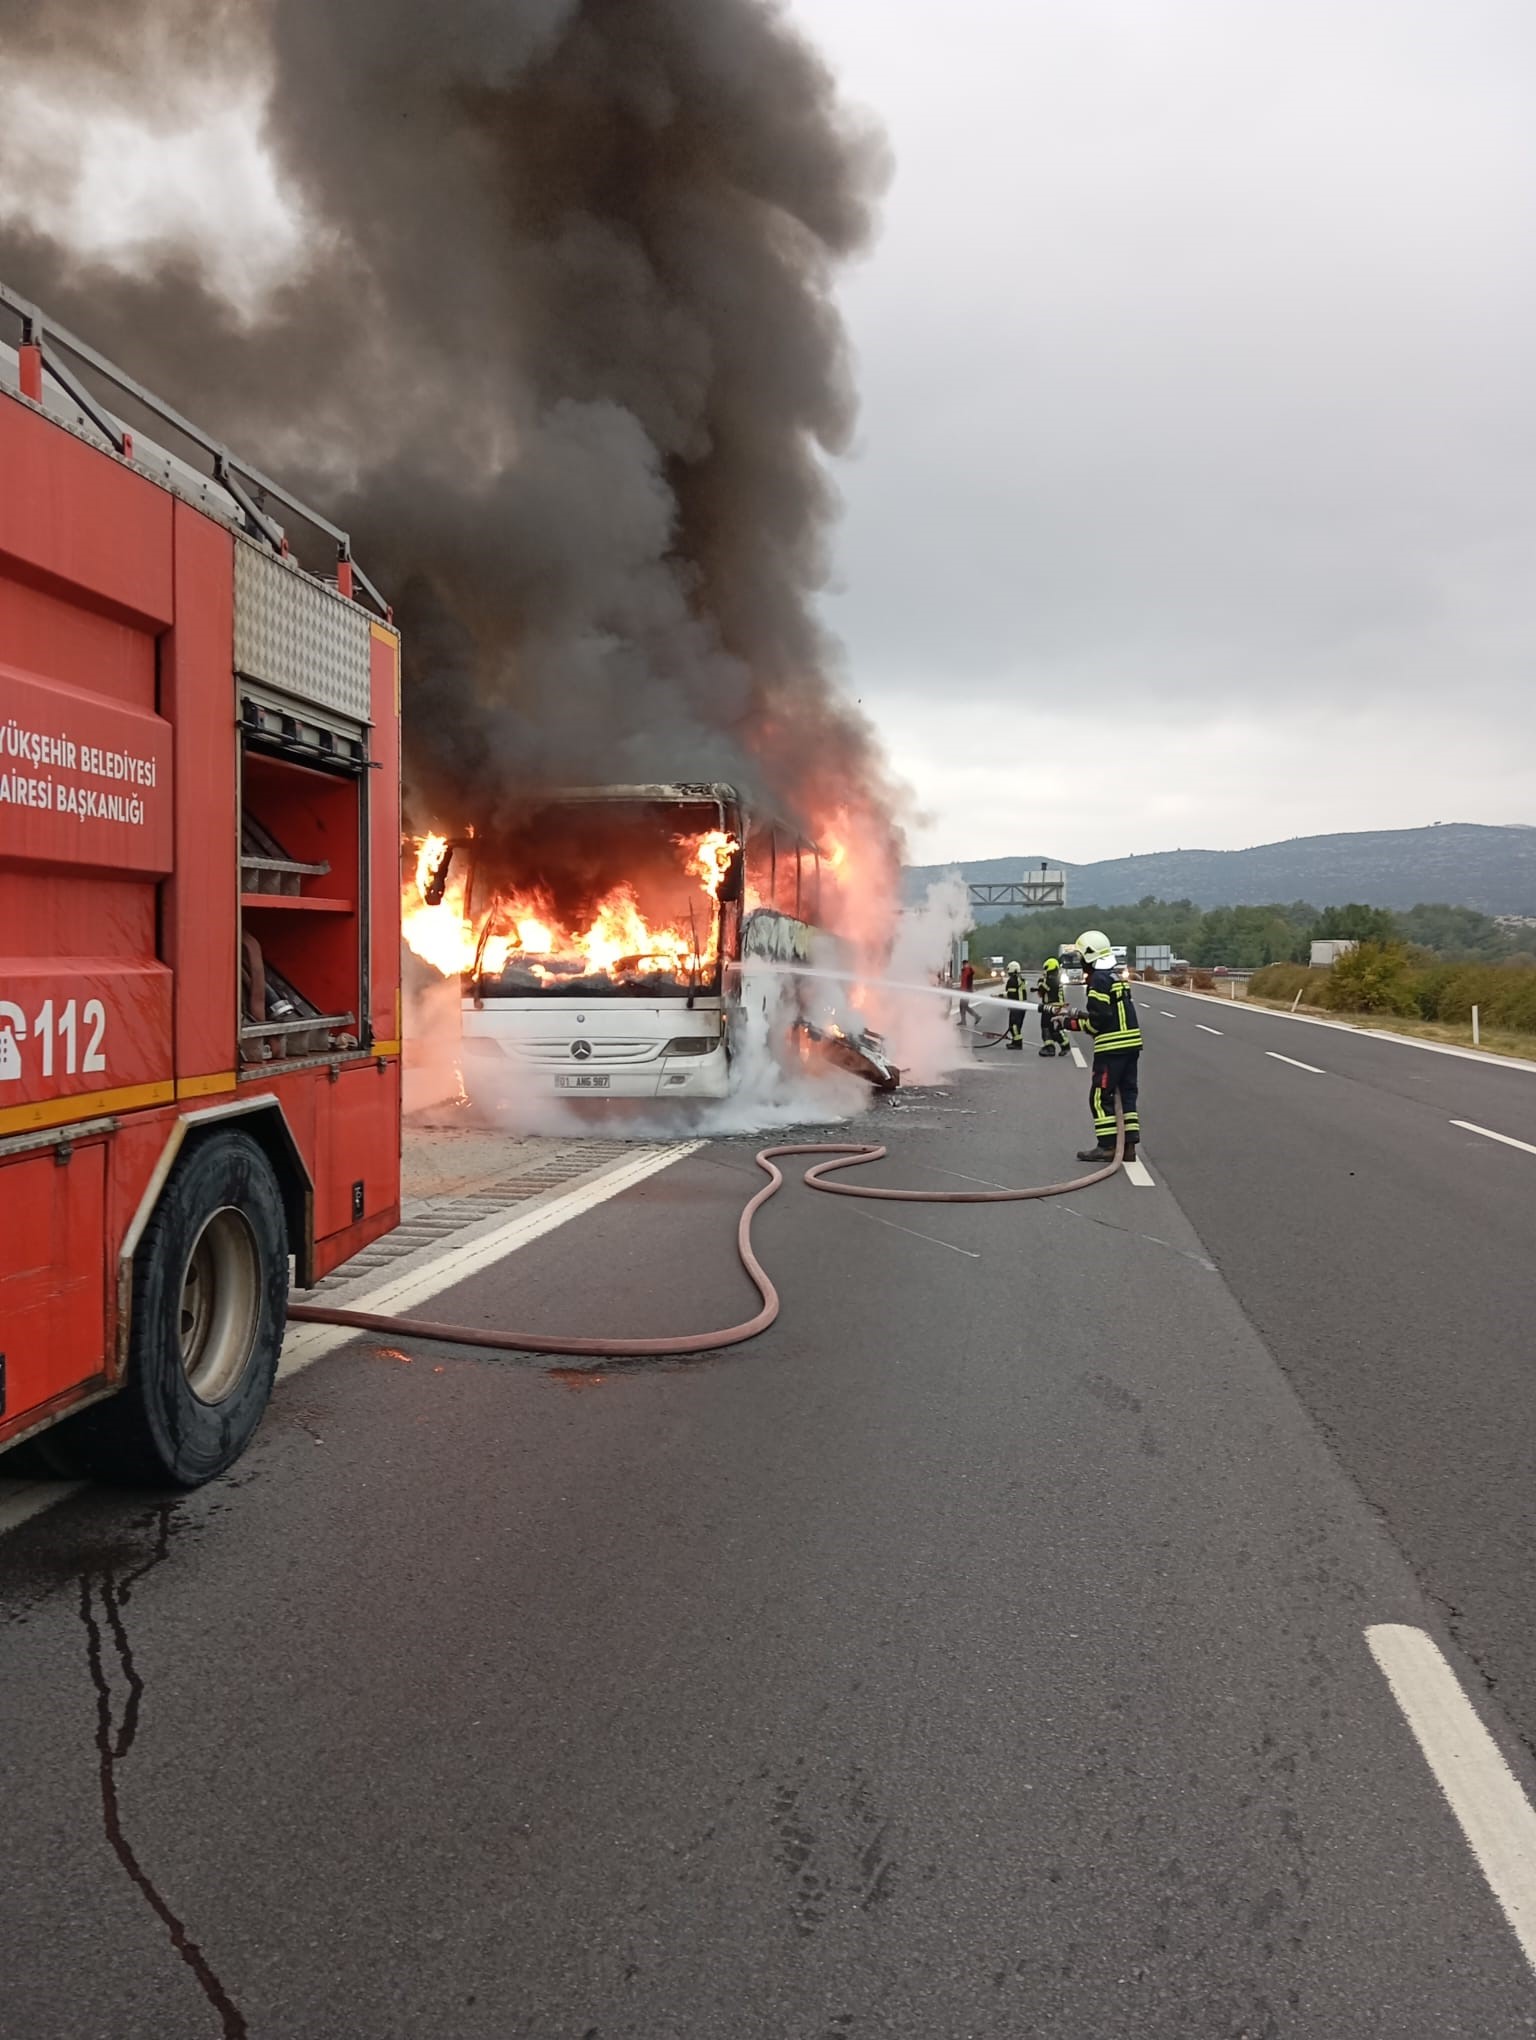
<point x="210" y="1301"/>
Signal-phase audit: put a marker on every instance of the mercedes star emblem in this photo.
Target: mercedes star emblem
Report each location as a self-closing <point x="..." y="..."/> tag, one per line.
<point x="582" y="1051"/>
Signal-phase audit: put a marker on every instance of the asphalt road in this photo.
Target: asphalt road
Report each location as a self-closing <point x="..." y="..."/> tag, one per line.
<point x="981" y="1652"/>
<point x="1387" y="1257"/>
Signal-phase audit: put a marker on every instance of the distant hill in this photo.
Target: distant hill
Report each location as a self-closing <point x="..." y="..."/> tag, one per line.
<point x="1463" y="864"/>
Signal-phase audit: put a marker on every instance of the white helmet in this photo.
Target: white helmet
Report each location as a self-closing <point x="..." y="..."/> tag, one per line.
<point x="1013" y="968"/>
<point x="1094" y="946"/>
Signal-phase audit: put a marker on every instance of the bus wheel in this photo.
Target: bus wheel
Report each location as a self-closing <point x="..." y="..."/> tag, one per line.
<point x="210" y="1299"/>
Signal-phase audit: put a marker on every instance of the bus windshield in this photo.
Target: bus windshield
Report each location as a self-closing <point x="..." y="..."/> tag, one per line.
<point x="600" y="898"/>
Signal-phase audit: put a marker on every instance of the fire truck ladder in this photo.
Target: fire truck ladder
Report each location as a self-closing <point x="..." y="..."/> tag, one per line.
<point x="43" y="343"/>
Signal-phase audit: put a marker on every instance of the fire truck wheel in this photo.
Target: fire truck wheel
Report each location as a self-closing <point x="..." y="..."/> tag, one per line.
<point x="210" y="1299"/>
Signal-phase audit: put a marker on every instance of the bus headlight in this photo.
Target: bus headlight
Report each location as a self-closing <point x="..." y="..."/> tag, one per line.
<point x="692" y="1044"/>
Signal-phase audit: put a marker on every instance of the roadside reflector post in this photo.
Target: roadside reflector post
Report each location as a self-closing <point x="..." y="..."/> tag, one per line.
<point x="1297" y="1000"/>
<point x="1476" y="1031"/>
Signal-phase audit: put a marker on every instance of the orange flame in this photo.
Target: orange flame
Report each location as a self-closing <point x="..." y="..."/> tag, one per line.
<point x="617" y="941"/>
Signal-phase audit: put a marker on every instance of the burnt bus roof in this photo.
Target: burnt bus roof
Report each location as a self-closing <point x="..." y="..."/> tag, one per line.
<point x="682" y="790"/>
<point x="679" y="790"/>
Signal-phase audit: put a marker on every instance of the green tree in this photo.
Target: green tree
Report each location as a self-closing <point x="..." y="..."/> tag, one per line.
<point x="1355" y="923"/>
<point x="1453" y="931"/>
<point x="1378" y="977"/>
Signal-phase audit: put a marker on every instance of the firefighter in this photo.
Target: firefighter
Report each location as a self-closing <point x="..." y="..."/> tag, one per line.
<point x="1013" y="991"/>
<point x="1053" y="1036"/>
<point x="967" y="986"/>
<point x="1111" y="1020"/>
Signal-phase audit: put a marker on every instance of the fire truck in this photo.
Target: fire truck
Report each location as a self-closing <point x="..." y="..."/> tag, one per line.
<point x="199" y="919"/>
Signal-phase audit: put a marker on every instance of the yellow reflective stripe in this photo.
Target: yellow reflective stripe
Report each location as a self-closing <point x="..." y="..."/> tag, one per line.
<point x="205" y="1087"/>
<point x="385" y="1048"/>
<point x="85" y="1105"/>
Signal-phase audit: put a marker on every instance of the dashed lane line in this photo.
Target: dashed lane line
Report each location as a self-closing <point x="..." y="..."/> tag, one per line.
<point x="1494" y="1814"/>
<point x="1166" y="1014"/>
<point x="1488" y="1133"/>
<point x="1524" y="1064"/>
<point x="1139" y="1174"/>
<point x="1077" y="1056"/>
<point x="1207" y="1030"/>
<point x="1275" y="1056"/>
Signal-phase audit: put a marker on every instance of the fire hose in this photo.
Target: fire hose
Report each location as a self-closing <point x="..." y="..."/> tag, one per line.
<point x="838" y="1155"/>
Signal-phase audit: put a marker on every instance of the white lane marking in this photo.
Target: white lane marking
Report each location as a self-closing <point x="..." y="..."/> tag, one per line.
<point x="1480" y="1055"/>
<point x="1141" y="1176"/>
<point x="928" y="1236"/>
<point x="1207" y="1030"/>
<point x="1167" y="1015"/>
<point x="1275" y="1056"/>
<point x="309" y="1343"/>
<point x="1495" y="1815"/>
<point x="1488" y="1134"/>
<point x="20" y="1500"/>
<point x="1077" y="1055"/>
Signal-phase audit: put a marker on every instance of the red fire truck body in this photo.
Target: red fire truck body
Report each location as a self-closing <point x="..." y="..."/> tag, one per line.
<point x="199" y="928"/>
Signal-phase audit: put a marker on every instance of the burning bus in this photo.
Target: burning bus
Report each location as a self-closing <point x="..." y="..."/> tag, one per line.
<point x="604" y="942"/>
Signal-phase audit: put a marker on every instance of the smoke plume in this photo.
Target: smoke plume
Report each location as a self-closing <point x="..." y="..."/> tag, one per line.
<point x="559" y="349"/>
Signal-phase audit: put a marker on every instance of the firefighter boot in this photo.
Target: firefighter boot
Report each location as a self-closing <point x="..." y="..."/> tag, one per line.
<point x="1096" y="1154"/>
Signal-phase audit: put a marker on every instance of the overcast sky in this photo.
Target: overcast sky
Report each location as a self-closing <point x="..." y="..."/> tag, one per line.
<point x="1195" y="498"/>
<point x="1196" y="495"/>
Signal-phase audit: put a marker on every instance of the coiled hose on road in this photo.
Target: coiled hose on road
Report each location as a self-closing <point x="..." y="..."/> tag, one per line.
<point x="839" y="1155"/>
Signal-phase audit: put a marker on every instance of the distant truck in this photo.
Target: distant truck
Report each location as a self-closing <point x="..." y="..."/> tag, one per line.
<point x="1326" y="954"/>
<point x="199" y="924"/>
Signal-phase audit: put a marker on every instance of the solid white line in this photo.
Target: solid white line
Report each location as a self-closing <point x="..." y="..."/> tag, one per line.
<point x="1275" y="1056"/>
<point x="1077" y="1055"/>
<point x="20" y="1500"/>
<point x="1139" y="1174"/>
<point x="1495" y="1815"/>
<point x="1207" y="1030"/>
<point x="928" y="1236"/>
<point x="1488" y="1134"/>
<point x="309" y="1343"/>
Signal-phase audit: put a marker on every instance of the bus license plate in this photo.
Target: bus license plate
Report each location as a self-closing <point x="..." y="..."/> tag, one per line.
<point x="585" y="1082"/>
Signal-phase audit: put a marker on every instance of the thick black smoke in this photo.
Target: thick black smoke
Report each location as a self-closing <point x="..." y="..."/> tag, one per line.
<point x="563" y="356"/>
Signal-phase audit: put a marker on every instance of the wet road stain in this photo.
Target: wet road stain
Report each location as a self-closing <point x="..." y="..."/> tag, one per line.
<point x="577" y="1379"/>
<point x="104" y="1595"/>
